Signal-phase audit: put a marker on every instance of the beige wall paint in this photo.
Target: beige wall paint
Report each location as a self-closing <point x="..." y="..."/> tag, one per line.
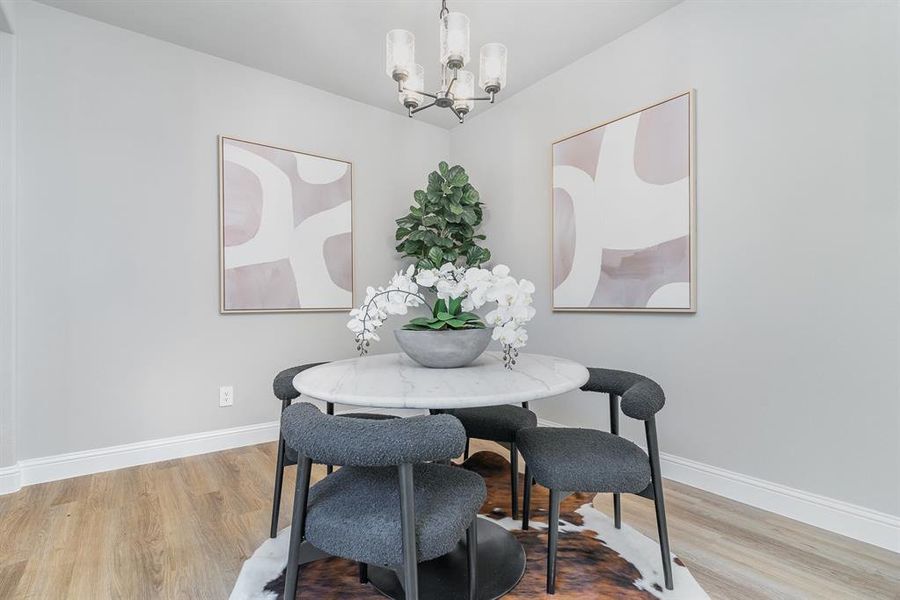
<point x="788" y="372"/>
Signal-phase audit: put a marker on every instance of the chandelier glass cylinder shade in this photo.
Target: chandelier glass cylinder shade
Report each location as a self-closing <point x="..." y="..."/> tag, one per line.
<point x="457" y="90"/>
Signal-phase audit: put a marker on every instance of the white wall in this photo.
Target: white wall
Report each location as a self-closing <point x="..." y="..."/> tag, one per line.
<point x="788" y="372"/>
<point x="7" y="252"/>
<point x="119" y="335"/>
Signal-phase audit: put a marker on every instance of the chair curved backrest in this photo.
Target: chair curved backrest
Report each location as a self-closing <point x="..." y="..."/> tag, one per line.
<point x="641" y="397"/>
<point x="283" y="384"/>
<point x="341" y="440"/>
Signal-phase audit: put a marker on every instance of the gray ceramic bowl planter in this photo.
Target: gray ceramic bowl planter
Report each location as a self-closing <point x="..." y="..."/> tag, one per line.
<point x="444" y="349"/>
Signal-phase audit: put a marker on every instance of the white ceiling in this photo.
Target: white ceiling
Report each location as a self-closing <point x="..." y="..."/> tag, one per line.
<point x="338" y="45"/>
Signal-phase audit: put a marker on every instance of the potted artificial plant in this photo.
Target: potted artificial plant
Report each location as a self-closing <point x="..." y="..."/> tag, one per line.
<point x="439" y="234"/>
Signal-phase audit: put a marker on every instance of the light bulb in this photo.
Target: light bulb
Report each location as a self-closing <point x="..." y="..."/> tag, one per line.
<point x="464" y="88"/>
<point x="414" y="83"/>
<point x="492" y="74"/>
<point x="455" y="40"/>
<point x="400" y="54"/>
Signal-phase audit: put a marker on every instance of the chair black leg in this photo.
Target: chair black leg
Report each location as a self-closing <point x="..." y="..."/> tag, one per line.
<point x="329" y="409"/>
<point x="617" y="510"/>
<point x="614" y="429"/>
<point x="363" y="573"/>
<point x="298" y="527"/>
<point x="526" y="499"/>
<point x="279" y="480"/>
<point x="408" y="532"/>
<point x="514" y="479"/>
<point x="553" y="527"/>
<point x="659" y="502"/>
<point x="466" y="453"/>
<point x="472" y="557"/>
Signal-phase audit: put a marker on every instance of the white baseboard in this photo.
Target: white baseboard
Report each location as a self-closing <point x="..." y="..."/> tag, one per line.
<point x="10" y="479"/>
<point x="854" y="521"/>
<point x="75" y="464"/>
<point x="873" y="527"/>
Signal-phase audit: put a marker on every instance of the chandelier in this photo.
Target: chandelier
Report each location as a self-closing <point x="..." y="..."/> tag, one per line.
<point x="457" y="90"/>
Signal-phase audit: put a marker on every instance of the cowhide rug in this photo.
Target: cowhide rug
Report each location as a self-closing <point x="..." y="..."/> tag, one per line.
<point x="595" y="559"/>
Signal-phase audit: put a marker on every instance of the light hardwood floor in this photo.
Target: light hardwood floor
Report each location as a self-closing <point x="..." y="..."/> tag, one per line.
<point x="182" y="528"/>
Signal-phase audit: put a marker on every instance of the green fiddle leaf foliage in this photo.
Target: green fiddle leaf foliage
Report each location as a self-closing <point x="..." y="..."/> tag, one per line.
<point x="435" y="255"/>
<point x="441" y="226"/>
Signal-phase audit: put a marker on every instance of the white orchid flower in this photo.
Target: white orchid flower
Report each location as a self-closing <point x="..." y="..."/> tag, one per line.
<point x="426" y="278"/>
<point x="500" y="271"/>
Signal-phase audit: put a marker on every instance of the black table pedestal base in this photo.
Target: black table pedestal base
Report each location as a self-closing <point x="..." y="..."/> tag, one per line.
<point x="501" y="564"/>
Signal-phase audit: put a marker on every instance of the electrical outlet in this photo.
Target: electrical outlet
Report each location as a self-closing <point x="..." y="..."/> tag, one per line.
<point x="226" y="395"/>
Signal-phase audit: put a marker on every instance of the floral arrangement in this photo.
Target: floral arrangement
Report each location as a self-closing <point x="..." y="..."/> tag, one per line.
<point x="459" y="292"/>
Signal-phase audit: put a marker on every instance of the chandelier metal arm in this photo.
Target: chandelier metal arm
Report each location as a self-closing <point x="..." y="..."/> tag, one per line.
<point x="402" y="88"/>
<point x="413" y="111"/>
<point x="452" y="81"/>
<point x="458" y="114"/>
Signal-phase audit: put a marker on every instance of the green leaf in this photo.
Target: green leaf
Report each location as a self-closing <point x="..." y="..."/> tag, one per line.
<point x="450" y="256"/>
<point x="444" y="243"/>
<point x="444" y="316"/>
<point x="433" y="221"/>
<point x="415" y="211"/>
<point x="461" y="179"/>
<point x="479" y="237"/>
<point x="456" y="323"/>
<point x="412" y="246"/>
<point x="424" y="263"/>
<point x="438" y="325"/>
<point x="485" y="255"/>
<point x="467" y="316"/>
<point x="443" y="168"/>
<point x="402" y="232"/>
<point x="439" y="306"/>
<point x="473" y="255"/>
<point x="411" y="327"/>
<point x="454" y="306"/>
<point x="435" y="255"/>
<point x="456" y="208"/>
<point x="420" y="197"/>
<point x="418" y="235"/>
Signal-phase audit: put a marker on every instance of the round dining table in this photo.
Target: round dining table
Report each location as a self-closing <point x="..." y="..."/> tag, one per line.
<point x="396" y="381"/>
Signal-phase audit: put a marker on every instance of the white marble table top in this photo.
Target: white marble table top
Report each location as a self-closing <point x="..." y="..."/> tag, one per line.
<point x="396" y="381"/>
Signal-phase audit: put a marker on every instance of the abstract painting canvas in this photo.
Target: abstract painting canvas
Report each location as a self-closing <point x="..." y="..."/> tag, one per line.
<point x="286" y="240"/>
<point x="623" y="213"/>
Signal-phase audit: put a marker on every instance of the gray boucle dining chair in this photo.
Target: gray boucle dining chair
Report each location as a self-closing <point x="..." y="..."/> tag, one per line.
<point x="569" y="460"/>
<point x="283" y="386"/>
<point x="498" y="424"/>
<point x="391" y="503"/>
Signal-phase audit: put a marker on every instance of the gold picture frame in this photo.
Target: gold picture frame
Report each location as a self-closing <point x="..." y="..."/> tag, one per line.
<point x="226" y="310"/>
<point x="692" y="215"/>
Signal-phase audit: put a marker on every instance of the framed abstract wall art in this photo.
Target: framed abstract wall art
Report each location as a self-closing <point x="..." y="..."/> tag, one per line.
<point x="624" y="213"/>
<point x="285" y="230"/>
